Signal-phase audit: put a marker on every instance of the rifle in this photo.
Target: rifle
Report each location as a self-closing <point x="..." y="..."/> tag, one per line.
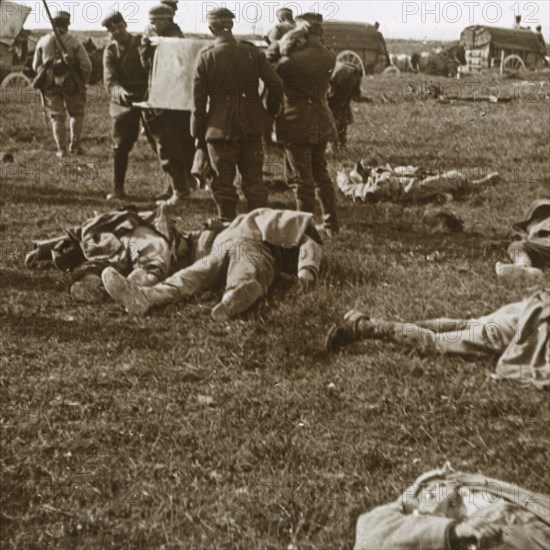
<point x="66" y="57"/>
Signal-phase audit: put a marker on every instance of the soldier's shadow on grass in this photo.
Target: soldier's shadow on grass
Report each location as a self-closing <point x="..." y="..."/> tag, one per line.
<point x="32" y="280"/>
<point x="50" y="195"/>
<point x="38" y="328"/>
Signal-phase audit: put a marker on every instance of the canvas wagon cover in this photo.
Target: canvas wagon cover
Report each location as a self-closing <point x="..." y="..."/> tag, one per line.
<point x="476" y="37"/>
<point x="352" y="36"/>
<point x="12" y="19"/>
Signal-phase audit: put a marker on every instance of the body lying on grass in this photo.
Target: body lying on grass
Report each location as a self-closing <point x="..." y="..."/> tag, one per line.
<point x="446" y="510"/>
<point x="532" y="251"/>
<point x="407" y="184"/>
<point x="518" y="332"/>
<point x="246" y="256"/>
<point x="143" y="245"/>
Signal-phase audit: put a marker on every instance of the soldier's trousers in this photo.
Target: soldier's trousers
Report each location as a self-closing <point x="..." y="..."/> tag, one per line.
<point x="125" y="127"/>
<point x="237" y="262"/>
<point x="175" y="148"/>
<point x="59" y="101"/>
<point x="226" y="156"/>
<point x="489" y="334"/>
<point x="306" y="172"/>
<point x="342" y="117"/>
<point x="125" y="131"/>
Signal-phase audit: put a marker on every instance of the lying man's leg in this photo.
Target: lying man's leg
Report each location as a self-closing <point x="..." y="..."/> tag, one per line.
<point x="250" y="274"/>
<point x="186" y="282"/>
<point x="489" y="334"/>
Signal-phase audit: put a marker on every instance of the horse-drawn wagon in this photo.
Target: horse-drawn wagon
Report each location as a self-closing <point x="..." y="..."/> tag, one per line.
<point x="13" y="45"/>
<point x="360" y="44"/>
<point x="509" y="50"/>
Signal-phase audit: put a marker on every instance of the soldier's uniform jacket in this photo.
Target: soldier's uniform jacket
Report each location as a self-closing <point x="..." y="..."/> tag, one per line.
<point x="306" y="117"/>
<point x="122" y="67"/>
<point x="47" y="50"/>
<point x="228" y="74"/>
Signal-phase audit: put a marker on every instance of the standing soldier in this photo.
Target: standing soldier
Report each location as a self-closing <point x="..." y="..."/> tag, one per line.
<point x="169" y="128"/>
<point x="126" y="80"/>
<point x="226" y="80"/>
<point x="306" y="124"/>
<point x="286" y="23"/>
<point x="345" y="85"/>
<point x="63" y="72"/>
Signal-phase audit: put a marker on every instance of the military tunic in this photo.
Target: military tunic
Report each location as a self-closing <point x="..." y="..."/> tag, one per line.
<point x="228" y="117"/>
<point x="123" y="71"/>
<point x="306" y="124"/>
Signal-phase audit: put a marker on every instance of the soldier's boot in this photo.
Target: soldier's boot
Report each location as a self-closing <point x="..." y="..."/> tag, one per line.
<point x="180" y="185"/>
<point x="120" y="165"/>
<point x="237" y="300"/>
<point x="60" y="134"/>
<point x="140" y="277"/>
<point x="137" y="300"/>
<point x="358" y="326"/>
<point x="76" y="124"/>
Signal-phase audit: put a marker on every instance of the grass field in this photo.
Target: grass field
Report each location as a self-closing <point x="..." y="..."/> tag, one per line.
<point x="174" y="431"/>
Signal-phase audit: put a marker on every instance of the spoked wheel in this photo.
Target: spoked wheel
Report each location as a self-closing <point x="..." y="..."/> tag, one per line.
<point x="16" y="82"/>
<point x="349" y="56"/>
<point x="513" y="64"/>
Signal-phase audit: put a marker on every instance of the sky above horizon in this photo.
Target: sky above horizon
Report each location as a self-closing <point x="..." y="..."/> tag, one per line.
<point x="416" y="20"/>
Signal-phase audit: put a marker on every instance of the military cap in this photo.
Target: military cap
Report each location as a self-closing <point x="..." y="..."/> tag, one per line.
<point x="311" y="17"/>
<point x="221" y="15"/>
<point x="113" y="19"/>
<point x="537" y="209"/>
<point x="284" y="10"/>
<point x="62" y="18"/>
<point x="161" y="11"/>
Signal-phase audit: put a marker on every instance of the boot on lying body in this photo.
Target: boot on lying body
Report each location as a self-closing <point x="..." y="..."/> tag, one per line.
<point x="137" y="300"/>
<point x="358" y="326"/>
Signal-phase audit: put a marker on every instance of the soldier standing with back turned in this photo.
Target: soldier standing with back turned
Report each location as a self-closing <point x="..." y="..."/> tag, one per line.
<point x="227" y="119"/>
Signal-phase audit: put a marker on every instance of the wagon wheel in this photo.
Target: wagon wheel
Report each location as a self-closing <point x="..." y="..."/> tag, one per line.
<point x="392" y="70"/>
<point x="513" y="64"/>
<point x="349" y="56"/>
<point x="16" y="81"/>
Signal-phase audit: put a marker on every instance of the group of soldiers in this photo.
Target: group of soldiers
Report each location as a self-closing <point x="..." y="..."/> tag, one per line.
<point x="306" y="97"/>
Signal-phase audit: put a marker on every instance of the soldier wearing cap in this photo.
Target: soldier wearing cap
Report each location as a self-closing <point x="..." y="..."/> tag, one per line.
<point x="227" y="117"/>
<point x="306" y="124"/>
<point x="286" y="23"/>
<point x="169" y="128"/>
<point x="62" y="92"/>
<point x="171" y="4"/>
<point x="126" y="80"/>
